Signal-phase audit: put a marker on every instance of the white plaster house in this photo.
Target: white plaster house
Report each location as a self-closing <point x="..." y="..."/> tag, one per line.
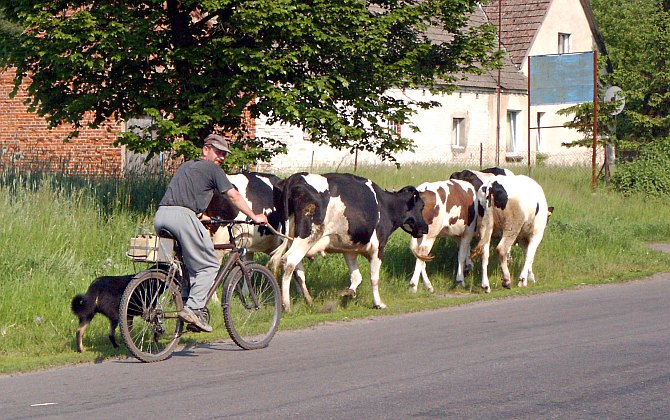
<point x="464" y="130"/>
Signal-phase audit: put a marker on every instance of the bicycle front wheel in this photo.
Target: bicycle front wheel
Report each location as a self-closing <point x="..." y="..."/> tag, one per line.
<point x="251" y="307"/>
<point x="148" y="316"/>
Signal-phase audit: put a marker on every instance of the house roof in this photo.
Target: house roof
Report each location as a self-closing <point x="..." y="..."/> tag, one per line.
<point x="510" y="77"/>
<point x="521" y="19"/>
<point x="518" y="22"/>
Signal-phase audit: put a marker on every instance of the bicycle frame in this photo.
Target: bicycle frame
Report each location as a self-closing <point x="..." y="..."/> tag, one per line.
<point x="150" y="325"/>
<point x="235" y="259"/>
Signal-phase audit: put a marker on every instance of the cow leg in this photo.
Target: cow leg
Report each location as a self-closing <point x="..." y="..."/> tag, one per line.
<point x="503" y="249"/>
<point x="299" y="275"/>
<point x="485" y="269"/>
<point x="423" y="248"/>
<point x="291" y="260"/>
<point x="354" y="275"/>
<point x="530" y="248"/>
<point x="463" y="253"/>
<point x="468" y="264"/>
<point x="375" y="268"/>
<point x="419" y="268"/>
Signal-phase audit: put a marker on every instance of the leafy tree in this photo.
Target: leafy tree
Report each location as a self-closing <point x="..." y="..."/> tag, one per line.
<point x="8" y="28"/>
<point x="637" y="36"/>
<point x="583" y="122"/>
<point x="194" y="66"/>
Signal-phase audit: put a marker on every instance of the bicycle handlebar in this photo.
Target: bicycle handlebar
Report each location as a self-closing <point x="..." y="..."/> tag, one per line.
<point x="219" y="221"/>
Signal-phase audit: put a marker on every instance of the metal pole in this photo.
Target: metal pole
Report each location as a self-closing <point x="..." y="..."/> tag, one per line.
<point x="595" y="119"/>
<point x="498" y="87"/>
<point x="528" y="118"/>
<point x="481" y="156"/>
<point x="356" y="161"/>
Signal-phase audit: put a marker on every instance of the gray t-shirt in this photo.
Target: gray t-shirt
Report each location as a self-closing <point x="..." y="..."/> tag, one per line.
<point x="194" y="183"/>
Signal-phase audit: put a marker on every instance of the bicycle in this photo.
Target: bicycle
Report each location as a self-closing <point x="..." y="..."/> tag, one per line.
<point x="250" y="299"/>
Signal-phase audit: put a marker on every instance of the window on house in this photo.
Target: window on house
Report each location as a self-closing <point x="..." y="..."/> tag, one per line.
<point x="458" y="132"/>
<point x="393" y="126"/>
<point x="563" y="43"/>
<point x="513" y="132"/>
<point x="539" y="144"/>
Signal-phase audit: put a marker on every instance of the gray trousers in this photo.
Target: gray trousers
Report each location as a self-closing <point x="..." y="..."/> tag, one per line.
<point x="197" y="250"/>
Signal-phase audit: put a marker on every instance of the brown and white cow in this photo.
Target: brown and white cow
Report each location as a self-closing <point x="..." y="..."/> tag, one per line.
<point x="342" y="213"/>
<point x="516" y="209"/>
<point x="449" y="210"/>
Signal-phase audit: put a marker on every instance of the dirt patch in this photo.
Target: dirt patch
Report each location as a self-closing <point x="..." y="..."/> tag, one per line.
<point x="660" y="246"/>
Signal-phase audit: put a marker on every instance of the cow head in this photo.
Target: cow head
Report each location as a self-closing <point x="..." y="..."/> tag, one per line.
<point x="413" y="221"/>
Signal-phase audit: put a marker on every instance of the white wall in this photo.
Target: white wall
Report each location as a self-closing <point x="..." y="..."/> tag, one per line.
<point x="433" y="143"/>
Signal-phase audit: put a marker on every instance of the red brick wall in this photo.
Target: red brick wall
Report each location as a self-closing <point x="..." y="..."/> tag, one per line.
<point x="26" y="141"/>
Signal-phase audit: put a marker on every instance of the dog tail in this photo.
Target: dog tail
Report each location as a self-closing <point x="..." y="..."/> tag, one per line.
<point x="81" y="305"/>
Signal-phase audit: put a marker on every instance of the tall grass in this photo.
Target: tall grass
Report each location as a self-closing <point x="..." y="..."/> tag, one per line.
<point x="58" y="233"/>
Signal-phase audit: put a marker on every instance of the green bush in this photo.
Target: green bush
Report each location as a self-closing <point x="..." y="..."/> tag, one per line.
<point x="648" y="174"/>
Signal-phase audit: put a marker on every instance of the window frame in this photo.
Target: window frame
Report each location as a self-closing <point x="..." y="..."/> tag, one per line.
<point x="394" y="126"/>
<point x="564" y="43"/>
<point x="539" y="138"/>
<point x="458" y="132"/>
<point x="512" y="141"/>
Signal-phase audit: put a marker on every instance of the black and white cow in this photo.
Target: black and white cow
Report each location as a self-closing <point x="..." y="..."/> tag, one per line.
<point x="449" y="210"/>
<point x="478" y="178"/>
<point x="257" y="190"/>
<point x="342" y="213"/>
<point x="515" y="208"/>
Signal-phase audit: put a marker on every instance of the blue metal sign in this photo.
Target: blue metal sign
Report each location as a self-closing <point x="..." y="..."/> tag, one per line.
<point x="561" y="78"/>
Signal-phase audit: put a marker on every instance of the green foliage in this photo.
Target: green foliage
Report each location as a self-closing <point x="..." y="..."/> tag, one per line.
<point x="637" y="36"/>
<point x="648" y="174"/>
<point x="582" y="121"/>
<point x="325" y="66"/>
<point x="8" y="29"/>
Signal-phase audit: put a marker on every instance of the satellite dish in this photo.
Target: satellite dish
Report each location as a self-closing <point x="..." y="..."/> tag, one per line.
<point x="615" y="94"/>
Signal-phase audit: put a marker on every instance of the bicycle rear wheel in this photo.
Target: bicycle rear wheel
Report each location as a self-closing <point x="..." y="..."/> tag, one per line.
<point x="148" y="316"/>
<point x="251" y="309"/>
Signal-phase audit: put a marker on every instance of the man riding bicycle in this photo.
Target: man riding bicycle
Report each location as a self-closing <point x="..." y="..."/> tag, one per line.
<point x="180" y="212"/>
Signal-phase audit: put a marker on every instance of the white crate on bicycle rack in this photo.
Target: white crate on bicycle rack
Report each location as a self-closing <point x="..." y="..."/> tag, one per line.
<point x="150" y="248"/>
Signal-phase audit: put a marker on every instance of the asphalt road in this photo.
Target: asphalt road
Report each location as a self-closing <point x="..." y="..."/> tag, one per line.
<point x="593" y="352"/>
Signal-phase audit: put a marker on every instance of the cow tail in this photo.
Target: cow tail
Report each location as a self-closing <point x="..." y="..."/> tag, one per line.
<point x="281" y="201"/>
<point x="276" y="256"/>
<point x="487" y="224"/>
<point x="414" y="247"/>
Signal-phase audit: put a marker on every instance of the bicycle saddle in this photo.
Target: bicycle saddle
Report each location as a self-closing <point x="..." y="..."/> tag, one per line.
<point x="164" y="233"/>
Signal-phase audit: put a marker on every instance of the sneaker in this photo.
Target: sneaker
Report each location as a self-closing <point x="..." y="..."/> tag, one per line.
<point x="195" y="317"/>
<point x="194" y="328"/>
